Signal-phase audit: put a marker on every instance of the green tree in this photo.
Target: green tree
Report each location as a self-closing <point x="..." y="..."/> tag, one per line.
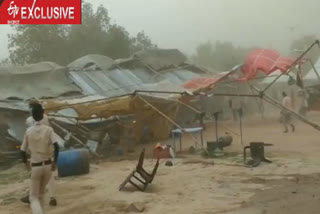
<point x="33" y="43"/>
<point x="118" y="42"/>
<point x="141" y="42"/>
<point x="65" y="43"/>
<point x="205" y="55"/>
<point x="91" y="35"/>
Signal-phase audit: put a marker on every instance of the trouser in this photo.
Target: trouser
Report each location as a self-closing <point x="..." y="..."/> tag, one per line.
<point x="287" y="120"/>
<point x="52" y="185"/>
<point x="40" y="176"/>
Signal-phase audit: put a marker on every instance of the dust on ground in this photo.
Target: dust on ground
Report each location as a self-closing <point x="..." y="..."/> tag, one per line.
<point x="194" y="184"/>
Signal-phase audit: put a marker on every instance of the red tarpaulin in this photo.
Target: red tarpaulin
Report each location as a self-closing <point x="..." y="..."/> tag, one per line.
<point x="201" y="82"/>
<point x="266" y="61"/>
<point x="205" y="82"/>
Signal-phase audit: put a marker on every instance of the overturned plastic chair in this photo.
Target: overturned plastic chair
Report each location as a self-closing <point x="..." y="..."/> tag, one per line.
<point x="140" y="175"/>
<point x="257" y="154"/>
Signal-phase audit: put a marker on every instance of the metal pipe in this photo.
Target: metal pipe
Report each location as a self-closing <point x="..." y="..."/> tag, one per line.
<point x="276" y="103"/>
<point x="240" y="117"/>
<point x="171" y="121"/>
<point x="159" y="92"/>
<point x="237" y="95"/>
<point x="293" y="64"/>
<point x="314" y="69"/>
<point x="91" y="101"/>
<point x="216" y="116"/>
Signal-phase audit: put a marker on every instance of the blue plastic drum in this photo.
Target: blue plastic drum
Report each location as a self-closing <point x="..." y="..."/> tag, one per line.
<point x="74" y="162"/>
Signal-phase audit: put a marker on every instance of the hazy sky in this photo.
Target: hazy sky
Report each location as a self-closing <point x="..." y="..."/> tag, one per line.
<point x="183" y="24"/>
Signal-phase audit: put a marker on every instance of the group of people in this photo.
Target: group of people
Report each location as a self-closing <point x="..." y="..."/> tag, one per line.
<point x="286" y="113"/>
<point x="41" y="144"/>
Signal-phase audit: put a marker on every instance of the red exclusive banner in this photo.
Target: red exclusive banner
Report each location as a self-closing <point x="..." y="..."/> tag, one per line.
<point x="40" y="11"/>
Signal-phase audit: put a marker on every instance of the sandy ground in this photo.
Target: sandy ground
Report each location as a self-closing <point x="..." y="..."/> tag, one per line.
<point x="195" y="185"/>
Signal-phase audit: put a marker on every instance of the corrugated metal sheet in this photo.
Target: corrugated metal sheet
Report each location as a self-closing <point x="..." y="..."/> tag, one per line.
<point x="122" y="81"/>
<point x="44" y="79"/>
<point x="177" y="76"/>
<point x="92" y="62"/>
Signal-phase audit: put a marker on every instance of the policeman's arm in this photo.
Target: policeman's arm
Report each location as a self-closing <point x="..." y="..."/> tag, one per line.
<point x="24" y="148"/>
<point x="55" y="145"/>
<point x="24" y="157"/>
<point x="56" y="152"/>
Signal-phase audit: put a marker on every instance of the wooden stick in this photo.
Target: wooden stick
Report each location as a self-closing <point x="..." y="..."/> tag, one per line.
<point x="171" y="121"/>
<point x="75" y="138"/>
<point x="157" y="110"/>
<point x="189" y="106"/>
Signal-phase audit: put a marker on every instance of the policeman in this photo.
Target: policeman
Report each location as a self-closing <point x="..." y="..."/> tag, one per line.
<point x="30" y="121"/>
<point x="39" y="140"/>
<point x="52" y="184"/>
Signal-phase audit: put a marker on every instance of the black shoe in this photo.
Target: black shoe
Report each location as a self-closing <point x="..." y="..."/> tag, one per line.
<point x="53" y="202"/>
<point x="25" y="199"/>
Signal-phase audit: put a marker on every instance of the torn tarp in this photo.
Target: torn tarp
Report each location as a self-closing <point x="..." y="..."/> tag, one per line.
<point x="88" y="108"/>
<point x="206" y="83"/>
<point x="264" y="60"/>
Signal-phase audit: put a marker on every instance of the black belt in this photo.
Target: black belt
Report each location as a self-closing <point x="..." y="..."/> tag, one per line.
<point x="42" y="163"/>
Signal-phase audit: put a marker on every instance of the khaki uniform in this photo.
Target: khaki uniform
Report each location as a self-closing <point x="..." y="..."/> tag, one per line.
<point x="39" y="140"/>
<point x="52" y="184"/>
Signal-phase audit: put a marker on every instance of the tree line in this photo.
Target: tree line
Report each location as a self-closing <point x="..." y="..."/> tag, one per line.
<point x="64" y="43"/>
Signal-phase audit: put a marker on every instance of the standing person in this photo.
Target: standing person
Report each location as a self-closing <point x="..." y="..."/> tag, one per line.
<point x="286" y="115"/>
<point x="52" y="183"/>
<point x="40" y="141"/>
<point x="30" y="121"/>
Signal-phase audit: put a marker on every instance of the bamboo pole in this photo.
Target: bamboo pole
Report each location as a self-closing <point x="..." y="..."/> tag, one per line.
<point x="75" y="138"/>
<point x="198" y="111"/>
<point x="189" y="106"/>
<point x="171" y="121"/>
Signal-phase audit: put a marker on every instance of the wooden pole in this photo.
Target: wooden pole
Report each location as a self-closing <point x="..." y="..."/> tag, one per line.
<point x="171" y="121"/>
<point x="189" y="106"/>
<point x="76" y="139"/>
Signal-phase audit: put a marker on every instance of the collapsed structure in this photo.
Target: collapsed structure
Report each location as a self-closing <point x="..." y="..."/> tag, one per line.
<point x="96" y="100"/>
